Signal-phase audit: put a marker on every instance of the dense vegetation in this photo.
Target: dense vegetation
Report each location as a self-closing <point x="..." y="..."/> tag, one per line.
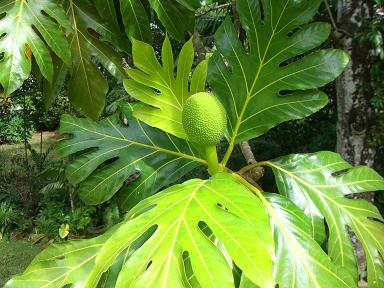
<point x="159" y="207"/>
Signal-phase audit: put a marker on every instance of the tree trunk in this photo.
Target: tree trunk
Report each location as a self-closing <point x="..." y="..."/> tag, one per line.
<point x="354" y="91"/>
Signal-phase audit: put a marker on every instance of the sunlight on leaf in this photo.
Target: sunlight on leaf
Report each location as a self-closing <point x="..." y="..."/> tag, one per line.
<point x="265" y="83"/>
<point x="155" y="84"/>
<point x="36" y="24"/>
<point x="157" y="234"/>
<point x="320" y="182"/>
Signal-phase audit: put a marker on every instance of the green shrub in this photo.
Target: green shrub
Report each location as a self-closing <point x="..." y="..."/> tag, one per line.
<point x="53" y="214"/>
<point x="12" y="129"/>
<point x="10" y="219"/>
<point x="48" y="119"/>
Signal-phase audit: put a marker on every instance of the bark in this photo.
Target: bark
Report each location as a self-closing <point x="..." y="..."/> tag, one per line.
<point x="354" y="92"/>
<point x="199" y="47"/>
<point x="355" y="113"/>
<point x="256" y="173"/>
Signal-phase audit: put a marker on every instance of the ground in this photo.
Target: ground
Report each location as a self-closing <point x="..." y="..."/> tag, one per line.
<point x="15" y="256"/>
<point x="48" y="139"/>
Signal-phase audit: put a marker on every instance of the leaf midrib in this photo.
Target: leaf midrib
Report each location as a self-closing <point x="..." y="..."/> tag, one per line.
<point x="182" y="155"/>
<point x="341" y="207"/>
<point x="249" y="92"/>
<point x="296" y="178"/>
<point x="287" y="233"/>
<point x="76" y="30"/>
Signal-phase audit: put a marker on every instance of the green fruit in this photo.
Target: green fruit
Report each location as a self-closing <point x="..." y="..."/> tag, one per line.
<point x="204" y="119"/>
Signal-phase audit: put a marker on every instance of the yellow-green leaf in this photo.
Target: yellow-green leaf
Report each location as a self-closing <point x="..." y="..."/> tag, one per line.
<point x="320" y="182"/>
<point x="155" y="85"/>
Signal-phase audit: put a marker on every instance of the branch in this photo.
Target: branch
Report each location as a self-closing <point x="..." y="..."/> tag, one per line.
<point x="338" y="32"/>
<point x="330" y="15"/>
<point x="236" y="18"/>
<point x="198" y="46"/>
<point x="256" y="171"/>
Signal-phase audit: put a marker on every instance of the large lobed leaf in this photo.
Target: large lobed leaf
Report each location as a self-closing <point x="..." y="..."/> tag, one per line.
<point x="319" y="183"/>
<point x="176" y="245"/>
<point x="30" y="28"/>
<point x="264" y="83"/>
<point x="111" y="152"/>
<point x="155" y="84"/>
<point x="299" y="259"/>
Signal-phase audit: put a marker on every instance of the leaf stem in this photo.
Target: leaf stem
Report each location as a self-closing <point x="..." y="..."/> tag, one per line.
<point x="251" y="166"/>
<point x="253" y="189"/>
<point x="213" y="161"/>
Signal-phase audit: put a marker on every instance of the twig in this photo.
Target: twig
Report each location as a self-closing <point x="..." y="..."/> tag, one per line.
<point x="330" y="15"/>
<point x="71" y="198"/>
<point x="236" y="18"/>
<point x="251" y="181"/>
<point x="338" y="31"/>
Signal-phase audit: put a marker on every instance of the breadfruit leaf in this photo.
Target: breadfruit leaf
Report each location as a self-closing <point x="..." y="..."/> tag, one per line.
<point x="166" y="239"/>
<point x="319" y="184"/>
<point x="87" y="86"/>
<point x="30" y="28"/>
<point x="301" y="260"/>
<point x="272" y="77"/>
<point x="155" y="85"/>
<point x="108" y="153"/>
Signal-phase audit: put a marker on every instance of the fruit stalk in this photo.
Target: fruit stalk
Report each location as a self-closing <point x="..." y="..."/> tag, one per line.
<point x="213" y="161"/>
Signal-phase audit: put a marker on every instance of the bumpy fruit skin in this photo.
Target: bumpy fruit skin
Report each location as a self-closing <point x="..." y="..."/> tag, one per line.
<point x="204" y="119"/>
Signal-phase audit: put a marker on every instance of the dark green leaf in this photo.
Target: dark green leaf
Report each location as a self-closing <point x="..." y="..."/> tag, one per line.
<point x="107" y="11"/>
<point x="51" y="90"/>
<point x="176" y="18"/>
<point x="135" y="20"/>
<point x="190" y="4"/>
<point x="87" y="86"/>
<point x="252" y="82"/>
<point x="113" y="152"/>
